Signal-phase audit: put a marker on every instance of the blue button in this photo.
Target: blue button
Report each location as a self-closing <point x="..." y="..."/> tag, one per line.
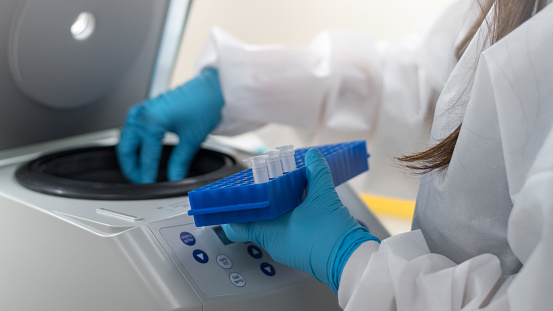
<point x="268" y="269"/>
<point x="200" y="256"/>
<point x="255" y="252"/>
<point x="187" y="238"/>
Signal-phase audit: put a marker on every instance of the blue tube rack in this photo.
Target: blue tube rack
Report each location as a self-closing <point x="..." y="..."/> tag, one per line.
<point x="238" y="199"/>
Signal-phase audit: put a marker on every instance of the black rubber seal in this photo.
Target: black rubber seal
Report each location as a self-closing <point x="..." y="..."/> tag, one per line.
<point x="93" y="173"/>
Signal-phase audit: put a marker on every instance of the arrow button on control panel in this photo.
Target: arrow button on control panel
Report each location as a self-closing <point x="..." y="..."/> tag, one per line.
<point x="200" y="256"/>
<point x="255" y="252"/>
<point x="268" y="269"/>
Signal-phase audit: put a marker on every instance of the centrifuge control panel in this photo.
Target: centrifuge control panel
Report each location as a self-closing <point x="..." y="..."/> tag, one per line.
<point x="220" y="267"/>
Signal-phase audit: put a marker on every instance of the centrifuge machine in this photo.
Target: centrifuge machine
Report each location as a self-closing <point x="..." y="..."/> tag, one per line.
<point x="74" y="234"/>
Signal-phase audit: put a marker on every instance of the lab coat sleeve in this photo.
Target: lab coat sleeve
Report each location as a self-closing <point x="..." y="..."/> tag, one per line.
<point x="402" y="274"/>
<point x="513" y="78"/>
<point x="344" y="81"/>
<point x="531" y="237"/>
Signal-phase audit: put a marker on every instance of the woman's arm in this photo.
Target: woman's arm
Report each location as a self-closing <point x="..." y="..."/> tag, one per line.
<point x="513" y="90"/>
<point x="343" y="81"/>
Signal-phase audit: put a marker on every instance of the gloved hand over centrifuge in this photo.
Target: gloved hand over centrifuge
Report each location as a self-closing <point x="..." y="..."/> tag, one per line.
<point x="316" y="237"/>
<point x="191" y="111"/>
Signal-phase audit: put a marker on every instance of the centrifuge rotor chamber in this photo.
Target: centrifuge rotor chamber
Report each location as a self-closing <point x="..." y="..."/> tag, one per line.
<point x="94" y="173"/>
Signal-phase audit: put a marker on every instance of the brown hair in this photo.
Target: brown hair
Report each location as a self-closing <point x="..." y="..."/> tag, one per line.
<point x="507" y="15"/>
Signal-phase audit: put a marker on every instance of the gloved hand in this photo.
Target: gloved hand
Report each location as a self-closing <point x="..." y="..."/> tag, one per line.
<point x="191" y="111"/>
<point x="316" y="237"/>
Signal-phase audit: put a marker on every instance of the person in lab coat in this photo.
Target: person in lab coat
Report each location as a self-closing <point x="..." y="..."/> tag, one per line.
<point x="475" y="84"/>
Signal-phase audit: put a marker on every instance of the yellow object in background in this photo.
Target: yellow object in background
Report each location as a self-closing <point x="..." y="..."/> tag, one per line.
<point x="396" y="215"/>
<point x="383" y="206"/>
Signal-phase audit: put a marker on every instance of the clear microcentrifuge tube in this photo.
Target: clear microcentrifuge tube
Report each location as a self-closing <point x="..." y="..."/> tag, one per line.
<point x="287" y="158"/>
<point x="273" y="163"/>
<point x="259" y="168"/>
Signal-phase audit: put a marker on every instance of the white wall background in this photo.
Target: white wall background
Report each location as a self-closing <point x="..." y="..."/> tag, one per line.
<point x="296" y="22"/>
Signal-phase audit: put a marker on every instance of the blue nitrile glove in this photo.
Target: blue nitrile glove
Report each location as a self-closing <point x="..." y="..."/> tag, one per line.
<point x="191" y="111"/>
<point x="316" y="237"/>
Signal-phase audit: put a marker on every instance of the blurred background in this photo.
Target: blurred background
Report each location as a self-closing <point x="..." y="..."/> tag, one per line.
<point x="295" y="23"/>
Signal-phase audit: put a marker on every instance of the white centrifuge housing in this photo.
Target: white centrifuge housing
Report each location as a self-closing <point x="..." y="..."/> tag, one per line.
<point x="74" y="234"/>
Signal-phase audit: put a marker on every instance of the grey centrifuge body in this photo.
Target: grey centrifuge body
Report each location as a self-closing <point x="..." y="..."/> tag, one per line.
<point x="69" y="71"/>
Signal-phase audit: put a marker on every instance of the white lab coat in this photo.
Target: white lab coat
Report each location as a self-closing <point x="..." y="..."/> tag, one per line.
<point x="490" y="215"/>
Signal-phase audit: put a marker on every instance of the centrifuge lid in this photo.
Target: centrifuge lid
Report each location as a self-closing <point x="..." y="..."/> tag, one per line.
<point x="70" y="67"/>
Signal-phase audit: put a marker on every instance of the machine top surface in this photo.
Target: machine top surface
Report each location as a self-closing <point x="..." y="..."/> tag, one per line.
<point x="74" y="67"/>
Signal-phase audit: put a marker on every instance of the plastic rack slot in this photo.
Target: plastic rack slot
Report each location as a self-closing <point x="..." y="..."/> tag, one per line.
<point x="238" y="199"/>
